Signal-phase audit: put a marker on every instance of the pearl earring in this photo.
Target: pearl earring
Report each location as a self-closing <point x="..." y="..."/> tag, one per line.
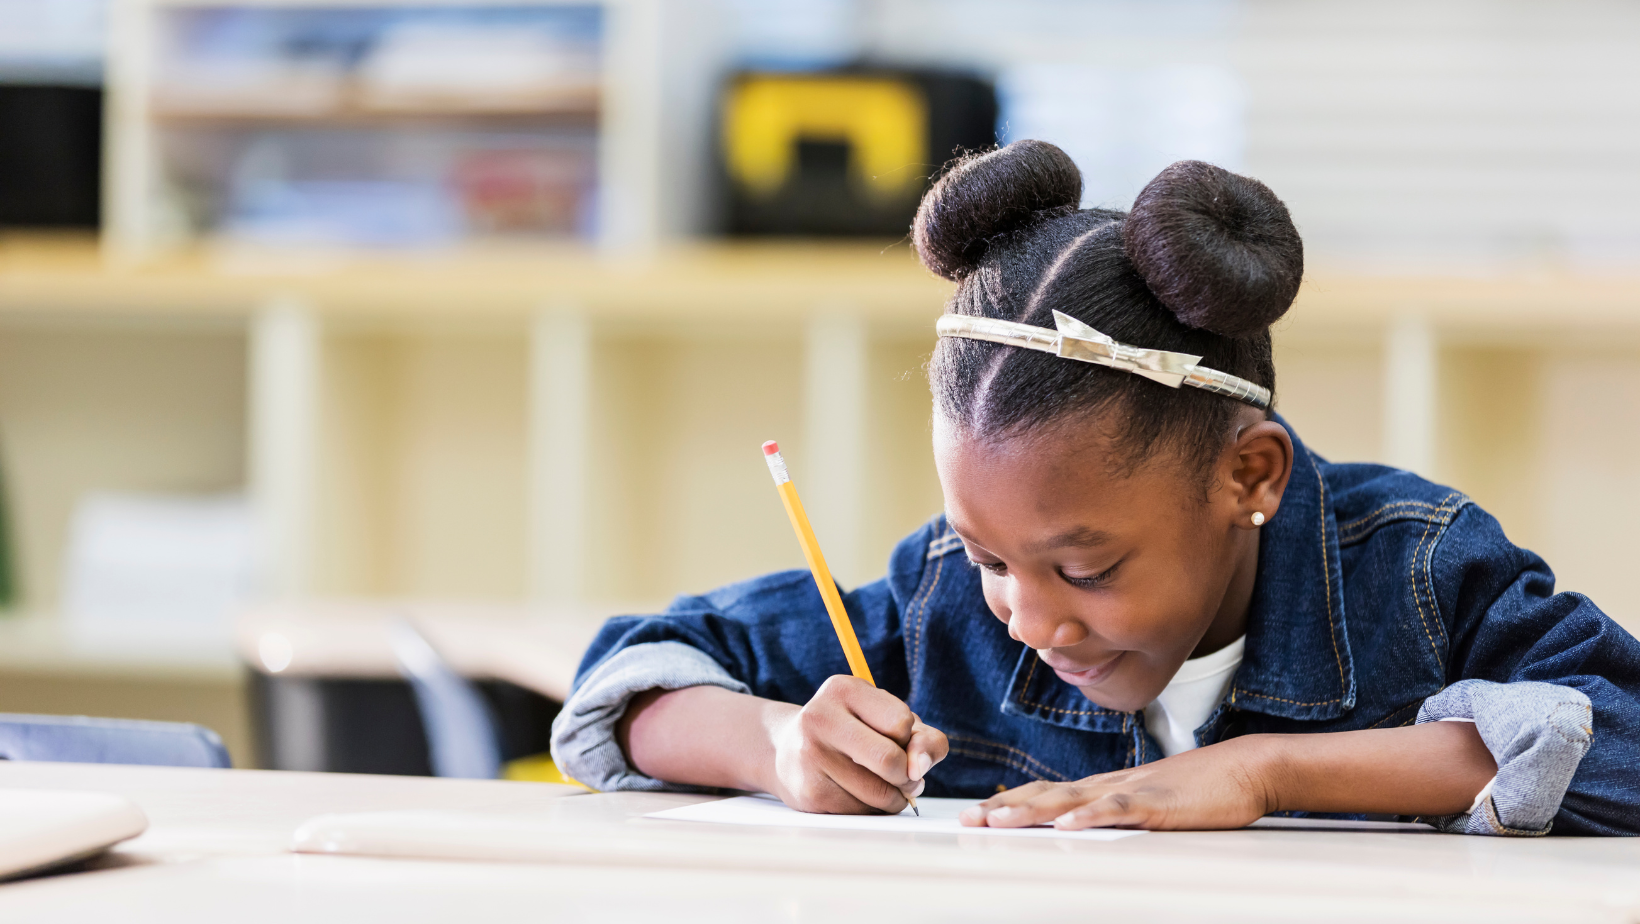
<point x="1258" y="518"/>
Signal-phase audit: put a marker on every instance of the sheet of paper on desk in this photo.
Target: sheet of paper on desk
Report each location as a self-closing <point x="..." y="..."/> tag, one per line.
<point x="939" y="816"/>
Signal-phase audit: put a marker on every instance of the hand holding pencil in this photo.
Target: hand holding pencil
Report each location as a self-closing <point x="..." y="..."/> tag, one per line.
<point x="852" y="743"/>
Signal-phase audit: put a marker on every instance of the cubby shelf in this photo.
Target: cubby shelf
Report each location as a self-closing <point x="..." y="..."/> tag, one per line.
<point x="455" y="410"/>
<point x="753" y="281"/>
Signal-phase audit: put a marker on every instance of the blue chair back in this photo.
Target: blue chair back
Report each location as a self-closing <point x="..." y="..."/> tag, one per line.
<point x="461" y="733"/>
<point x="80" y="739"/>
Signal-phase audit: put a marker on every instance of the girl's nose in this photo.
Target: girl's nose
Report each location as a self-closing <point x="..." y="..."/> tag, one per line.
<point x="1040" y="624"/>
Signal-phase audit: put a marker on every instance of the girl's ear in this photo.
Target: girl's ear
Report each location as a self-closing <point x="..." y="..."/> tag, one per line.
<point x="1261" y="462"/>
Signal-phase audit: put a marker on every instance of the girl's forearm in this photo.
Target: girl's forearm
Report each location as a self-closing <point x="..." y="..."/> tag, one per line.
<point x="1432" y="769"/>
<point x="702" y="736"/>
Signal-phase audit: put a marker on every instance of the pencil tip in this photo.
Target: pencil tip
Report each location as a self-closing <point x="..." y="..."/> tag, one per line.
<point x="915" y="812"/>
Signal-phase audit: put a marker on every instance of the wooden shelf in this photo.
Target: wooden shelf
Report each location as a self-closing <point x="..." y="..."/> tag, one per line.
<point x="751" y="281"/>
<point x="579" y="109"/>
<point x="1508" y="307"/>
<point x="705" y="281"/>
<point x="40" y="643"/>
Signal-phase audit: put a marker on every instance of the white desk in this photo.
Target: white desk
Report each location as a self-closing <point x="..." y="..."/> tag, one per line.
<point x="215" y="853"/>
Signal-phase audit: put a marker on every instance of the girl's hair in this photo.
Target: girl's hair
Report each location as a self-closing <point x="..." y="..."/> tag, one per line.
<point x="1204" y="263"/>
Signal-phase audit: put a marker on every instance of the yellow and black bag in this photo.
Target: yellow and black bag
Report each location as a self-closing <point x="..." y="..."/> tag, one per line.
<point x="844" y="153"/>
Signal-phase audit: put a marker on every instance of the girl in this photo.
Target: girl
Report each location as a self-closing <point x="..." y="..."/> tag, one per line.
<point x="1147" y="603"/>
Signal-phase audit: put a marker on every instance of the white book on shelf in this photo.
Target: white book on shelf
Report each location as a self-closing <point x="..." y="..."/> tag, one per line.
<point x="166" y="569"/>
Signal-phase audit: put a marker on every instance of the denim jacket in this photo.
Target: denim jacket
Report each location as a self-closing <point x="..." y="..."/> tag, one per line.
<point x="1381" y="600"/>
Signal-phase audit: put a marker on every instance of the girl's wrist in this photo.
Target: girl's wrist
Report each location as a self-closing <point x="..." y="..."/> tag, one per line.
<point x="703" y="736"/>
<point x="1272" y="776"/>
<point x="1431" y="769"/>
<point x="762" y="772"/>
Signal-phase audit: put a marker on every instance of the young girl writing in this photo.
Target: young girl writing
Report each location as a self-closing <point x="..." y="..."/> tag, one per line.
<point x="1147" y="602"/>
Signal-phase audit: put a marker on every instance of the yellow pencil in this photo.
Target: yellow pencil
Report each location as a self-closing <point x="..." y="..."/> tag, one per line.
<point x="817" y="567"/>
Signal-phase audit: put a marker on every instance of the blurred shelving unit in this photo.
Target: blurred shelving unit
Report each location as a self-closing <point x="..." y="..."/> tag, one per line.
<point x="550" y="424"/>
<point x="569" y="427"/>
<point x="541" y="422"/>
<point x="560" y="424"/>
<point x="352" y="124"/>
<point x="235" y="128"/>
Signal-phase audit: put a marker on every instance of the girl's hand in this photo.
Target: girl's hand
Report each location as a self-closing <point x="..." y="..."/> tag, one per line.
<point x="1224" y="785"/>
<point x="853" y="749"/>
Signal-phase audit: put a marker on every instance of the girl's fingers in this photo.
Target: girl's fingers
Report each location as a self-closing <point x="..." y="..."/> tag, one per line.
<point x="867" y="787"/>
<point x="848" y="716"/>
<point x="976" y="815"/>
<point x="1066" y="806"/>
<point x="928" y="747"/>
<point x="1019" y="795"/>
<point x="880" y="735"/>
<point x="1041" y="807"/>
<point x="884" y="712"/>
<point x="1111" y="810"/>
<point x="873" y="752"/>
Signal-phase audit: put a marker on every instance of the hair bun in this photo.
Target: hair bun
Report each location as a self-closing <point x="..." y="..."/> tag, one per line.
<point x="983" y="196"/>
<point x="1218" y="249"/>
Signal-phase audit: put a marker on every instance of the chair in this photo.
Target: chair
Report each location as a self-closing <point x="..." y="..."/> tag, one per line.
<point x="462" y="740"/>
<point x="80" y="739"/>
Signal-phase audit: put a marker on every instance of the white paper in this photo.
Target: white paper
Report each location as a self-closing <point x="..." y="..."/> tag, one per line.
<point x="939" y="816"/>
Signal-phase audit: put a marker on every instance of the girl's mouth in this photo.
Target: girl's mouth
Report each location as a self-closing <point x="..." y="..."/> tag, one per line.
<point x="1089" y="676"/>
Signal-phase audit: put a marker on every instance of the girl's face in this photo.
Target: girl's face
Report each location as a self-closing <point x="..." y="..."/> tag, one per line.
<point x="1114" y="577"/>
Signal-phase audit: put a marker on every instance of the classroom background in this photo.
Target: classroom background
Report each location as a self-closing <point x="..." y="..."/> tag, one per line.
<point x="320" y="319"/>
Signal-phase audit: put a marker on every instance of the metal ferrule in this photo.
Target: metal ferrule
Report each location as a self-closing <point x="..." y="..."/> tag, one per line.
<point x="777" y="468"/>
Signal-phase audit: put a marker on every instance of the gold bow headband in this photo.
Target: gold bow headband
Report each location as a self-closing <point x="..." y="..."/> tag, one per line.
<point x="1075" y="340"/>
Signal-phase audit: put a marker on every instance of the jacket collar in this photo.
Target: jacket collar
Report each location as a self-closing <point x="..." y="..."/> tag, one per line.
<point x="1297" y="663"/>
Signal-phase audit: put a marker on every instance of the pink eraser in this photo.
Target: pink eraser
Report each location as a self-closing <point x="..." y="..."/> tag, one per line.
<point x="770" y="448"/>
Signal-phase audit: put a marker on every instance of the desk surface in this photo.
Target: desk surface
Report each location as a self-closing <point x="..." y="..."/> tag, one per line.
<point x="216" y="852"/>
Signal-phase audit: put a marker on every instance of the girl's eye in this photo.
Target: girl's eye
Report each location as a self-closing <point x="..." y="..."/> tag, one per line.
<point x="995" y="567"/>
<point x="1096" y="580"/>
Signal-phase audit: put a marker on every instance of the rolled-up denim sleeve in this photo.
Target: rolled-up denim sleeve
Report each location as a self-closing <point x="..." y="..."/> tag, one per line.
<point x="1537" y="733"/>
<point x="770" y="637"/>
<point x="1552" y="683"/>
<point x="583" y="736"/>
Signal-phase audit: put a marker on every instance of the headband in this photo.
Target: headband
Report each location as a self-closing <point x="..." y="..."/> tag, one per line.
<point x="1075" y="340"/>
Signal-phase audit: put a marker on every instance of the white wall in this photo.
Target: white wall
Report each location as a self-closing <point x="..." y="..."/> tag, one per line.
<point x="1452" y="136"/>
<point x="1406" y="135"/>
